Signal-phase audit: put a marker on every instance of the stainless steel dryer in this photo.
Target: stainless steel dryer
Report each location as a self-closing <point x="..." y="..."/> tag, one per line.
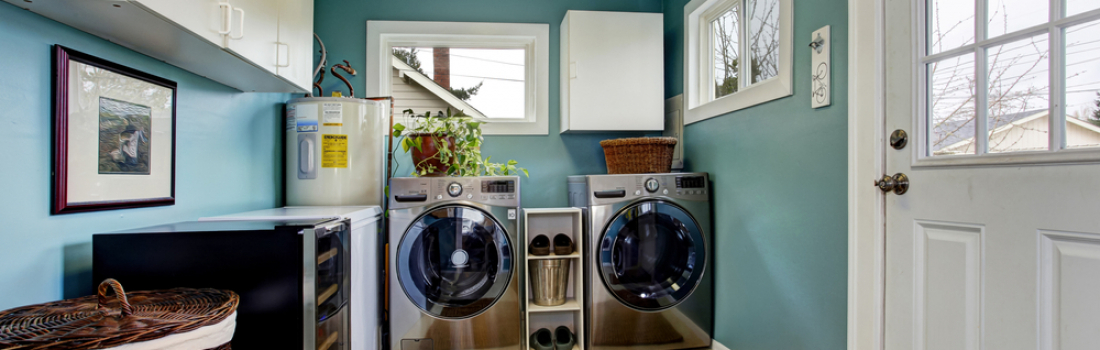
<point x="452" y="265"/>
<point x="648" y="283"/>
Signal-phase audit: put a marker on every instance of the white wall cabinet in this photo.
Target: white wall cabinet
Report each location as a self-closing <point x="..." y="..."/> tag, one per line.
<point x="233" y="42"/>
<point x="612" y="71"/>
<point x="294" y="58"/>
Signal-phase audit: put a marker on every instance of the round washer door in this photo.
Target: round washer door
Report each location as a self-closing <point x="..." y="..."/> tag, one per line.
<point x="454" y="262"/>
<point x="652" y="255"/>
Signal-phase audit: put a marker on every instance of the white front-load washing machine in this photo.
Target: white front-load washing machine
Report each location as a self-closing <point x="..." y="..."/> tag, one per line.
<point x="453" y="278"/>
<point x="648" y="282"/>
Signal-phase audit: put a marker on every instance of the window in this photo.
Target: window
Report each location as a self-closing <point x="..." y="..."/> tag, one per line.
<point x="1008" y="76"/>
<point x="738" y="55"/>
<point x="495" y="71"/>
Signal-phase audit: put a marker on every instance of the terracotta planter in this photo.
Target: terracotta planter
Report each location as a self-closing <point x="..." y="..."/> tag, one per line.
<point x="429" y="151"/>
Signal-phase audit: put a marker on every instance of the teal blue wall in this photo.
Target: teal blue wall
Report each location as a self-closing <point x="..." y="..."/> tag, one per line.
<point x="780" y="198"/>
<point x="341" y="23"/>
<point x="228" y="159"/>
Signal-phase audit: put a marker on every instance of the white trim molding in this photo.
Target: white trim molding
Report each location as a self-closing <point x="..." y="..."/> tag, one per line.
<point x="715" y="345"/>
<point x="382" y="36"/>
<point x="866" y="162"/>
<point x="698" y="89"/>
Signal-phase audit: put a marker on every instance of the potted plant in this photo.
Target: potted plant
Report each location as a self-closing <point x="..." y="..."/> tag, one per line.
<point x="449" y="145"/>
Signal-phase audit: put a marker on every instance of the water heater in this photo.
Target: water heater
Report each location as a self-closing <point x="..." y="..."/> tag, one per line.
<point x="335" y="151"/>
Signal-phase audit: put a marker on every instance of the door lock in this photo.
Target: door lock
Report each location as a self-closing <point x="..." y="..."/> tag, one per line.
<point x="899" y="183"/>
<point x="898" y="139"/>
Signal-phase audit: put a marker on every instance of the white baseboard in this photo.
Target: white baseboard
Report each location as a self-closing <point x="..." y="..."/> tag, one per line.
<point x="715" y="345"/>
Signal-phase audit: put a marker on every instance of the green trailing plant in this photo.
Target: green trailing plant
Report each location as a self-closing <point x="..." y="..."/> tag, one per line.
<point x="463" y="157"/>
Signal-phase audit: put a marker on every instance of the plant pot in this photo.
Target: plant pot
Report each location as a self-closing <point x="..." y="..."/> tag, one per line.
<point x="428" y="153"/>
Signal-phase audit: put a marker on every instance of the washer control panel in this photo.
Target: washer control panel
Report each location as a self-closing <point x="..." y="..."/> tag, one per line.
<point x="491" y="190"/>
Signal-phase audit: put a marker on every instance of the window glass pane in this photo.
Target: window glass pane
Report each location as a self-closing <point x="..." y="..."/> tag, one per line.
<point x="951" y="24"/>
<point x="1019" y="95"/>
<point x="1074" y="7"/>
<point x="763" y="38"/>
<point x="1006" y="16"/>
<point x="1083" y="85"/>
<point x="724" y="40"/>
<point x="951" y="106"/>
<point x="491" y="81"/>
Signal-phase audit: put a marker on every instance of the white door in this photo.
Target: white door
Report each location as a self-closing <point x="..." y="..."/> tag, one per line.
<point x="996" y="244"/>
<point x="295" y="60"/>
<point x="208" y="19"/>
<point x="255" y="31"/>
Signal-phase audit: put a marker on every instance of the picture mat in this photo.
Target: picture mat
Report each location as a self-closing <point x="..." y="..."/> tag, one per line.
<point x="85" y="185"/>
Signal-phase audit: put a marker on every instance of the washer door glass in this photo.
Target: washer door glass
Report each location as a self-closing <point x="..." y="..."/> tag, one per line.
<point x="652" y="255"/>
<point x="454" y="262"/>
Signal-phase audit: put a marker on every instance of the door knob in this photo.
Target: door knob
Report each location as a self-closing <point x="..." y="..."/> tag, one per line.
<point x="899" y="183"/>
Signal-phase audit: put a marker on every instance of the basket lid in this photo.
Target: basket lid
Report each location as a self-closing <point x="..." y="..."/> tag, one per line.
<point x="663" y="140"/>
<point x="95" y="322"/>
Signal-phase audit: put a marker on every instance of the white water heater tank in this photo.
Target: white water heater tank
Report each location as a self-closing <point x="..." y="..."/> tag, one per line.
<point x="334" y="151"/>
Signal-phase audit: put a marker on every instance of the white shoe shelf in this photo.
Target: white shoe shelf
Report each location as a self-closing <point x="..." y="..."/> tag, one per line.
<point x="550" y="222"/>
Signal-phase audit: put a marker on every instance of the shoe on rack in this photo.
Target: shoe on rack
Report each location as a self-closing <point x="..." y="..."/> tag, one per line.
<point x="542" y="340"/>
<point x="564" y="339"/>
<point x="563" y="245"/>
<point x="540" y="245"/>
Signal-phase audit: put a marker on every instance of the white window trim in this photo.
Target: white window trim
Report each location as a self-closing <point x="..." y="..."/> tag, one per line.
<point x="1057" y="152"/>
<point x="698" y="105"/>
<point x="382" y="36"/>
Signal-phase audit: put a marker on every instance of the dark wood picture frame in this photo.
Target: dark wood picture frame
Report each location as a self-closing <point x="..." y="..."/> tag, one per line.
<point x="62" y="56"/>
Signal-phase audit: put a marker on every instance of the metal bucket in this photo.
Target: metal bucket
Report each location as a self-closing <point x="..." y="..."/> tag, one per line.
<point x="549" y="279"/>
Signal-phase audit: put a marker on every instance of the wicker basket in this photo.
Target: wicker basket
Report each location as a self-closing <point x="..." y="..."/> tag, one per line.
<point x="168" y="319"/>
<point x="640" y="155"/>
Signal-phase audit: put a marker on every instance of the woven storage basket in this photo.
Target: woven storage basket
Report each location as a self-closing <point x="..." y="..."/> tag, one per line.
<point x="639" y="155"/>
<point x="178" y="318"/>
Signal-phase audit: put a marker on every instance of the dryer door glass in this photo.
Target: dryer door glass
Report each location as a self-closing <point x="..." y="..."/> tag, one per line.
<point x="454" y="262"/>
<point x="652" y="255"/>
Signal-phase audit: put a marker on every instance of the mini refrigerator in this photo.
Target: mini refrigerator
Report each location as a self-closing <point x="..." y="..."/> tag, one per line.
<point x="366" y="260"/>
<point x="293" y="276"/>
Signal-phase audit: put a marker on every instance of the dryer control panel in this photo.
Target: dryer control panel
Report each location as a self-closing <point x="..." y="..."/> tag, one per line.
<point x="502" y="191"/>
<point x="615" y="188"/>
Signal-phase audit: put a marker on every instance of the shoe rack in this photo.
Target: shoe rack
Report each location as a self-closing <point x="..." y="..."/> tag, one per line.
<point x="550" y="222"/>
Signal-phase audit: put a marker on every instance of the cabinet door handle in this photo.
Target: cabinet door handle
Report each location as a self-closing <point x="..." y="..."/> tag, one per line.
<point x="239" y="25"/>
<point x="227" y="17"/>
<point x="277" y="55"/>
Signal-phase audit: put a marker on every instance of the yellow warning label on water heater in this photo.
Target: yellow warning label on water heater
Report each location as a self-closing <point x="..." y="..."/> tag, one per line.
<point x="334" y="151"/>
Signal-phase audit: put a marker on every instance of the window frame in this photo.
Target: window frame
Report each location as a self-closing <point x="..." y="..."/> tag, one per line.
<point x="699" y="103"/>
<point x="383" y="36"/>
<point x="1054" y="27"/>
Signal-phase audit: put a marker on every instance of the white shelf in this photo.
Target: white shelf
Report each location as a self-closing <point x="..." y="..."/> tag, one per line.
<point x="575" y="255"/>
<point x="548" y="221"/>
<point x="571" y="304"/>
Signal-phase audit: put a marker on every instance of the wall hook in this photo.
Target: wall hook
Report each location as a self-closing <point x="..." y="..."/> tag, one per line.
<point x="818" y="43"/>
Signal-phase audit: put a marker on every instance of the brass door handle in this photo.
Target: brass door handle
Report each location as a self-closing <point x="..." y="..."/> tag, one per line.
<point x="899" y="183"/>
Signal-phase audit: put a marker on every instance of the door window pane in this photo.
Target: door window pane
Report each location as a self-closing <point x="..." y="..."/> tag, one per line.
<point x="724" y="40"/>
<point x="1083" y="85"/>
<point x="490" y="80"/>
<point x="763" y="38"/>
<point x="1006" y="16"/>
<point x="951" y="24"/>
<point x="1019" y="96"/>
<point x="1074" y="7"/>
<point x="951" y="106"/>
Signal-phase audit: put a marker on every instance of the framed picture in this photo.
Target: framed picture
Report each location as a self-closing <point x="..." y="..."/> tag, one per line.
<point x="114" y="136"/>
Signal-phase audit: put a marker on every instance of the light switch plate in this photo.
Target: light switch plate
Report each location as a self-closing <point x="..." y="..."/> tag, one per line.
<point x="674" y="127"/>
<point x="821" y="68"/>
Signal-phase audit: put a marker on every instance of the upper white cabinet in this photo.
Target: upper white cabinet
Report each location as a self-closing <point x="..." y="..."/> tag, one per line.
<point x="612" y="71"/>
<point x="233" y="42"/>
<point x="294" y="58"/>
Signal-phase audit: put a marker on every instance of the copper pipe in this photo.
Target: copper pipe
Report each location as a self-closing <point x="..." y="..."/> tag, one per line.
<point x="347" y="68"/>
<point x="317" y="84"/>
